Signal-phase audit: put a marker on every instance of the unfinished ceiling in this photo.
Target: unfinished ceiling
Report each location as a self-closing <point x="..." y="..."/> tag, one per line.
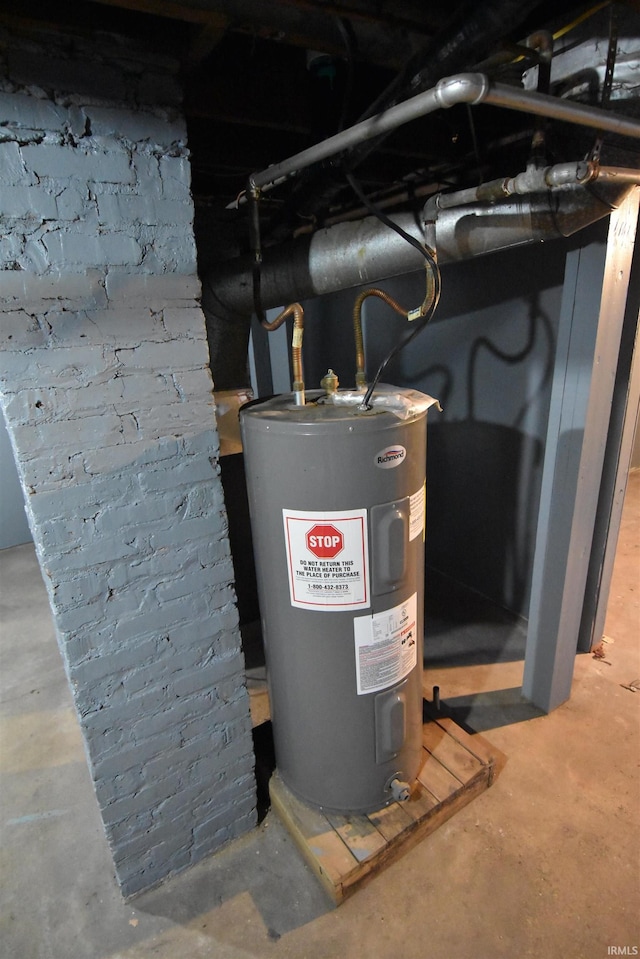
<point x="263" y="81"/>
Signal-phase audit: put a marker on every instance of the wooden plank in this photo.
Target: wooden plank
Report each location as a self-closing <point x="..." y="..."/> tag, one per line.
<point x="459" y="761"/>
<point x="437" y="779"/>
<point x="168" y="8"/>
<point x="391" y="820"/>
<point x="346" y="851"/>
<point x="321" y="846"/>
<point x="408" y="839"/>
<point x="476" y="744"/>
<point x="359" y="834"/>
<point x="421" y="802"/>
<point x="579" y="434"/>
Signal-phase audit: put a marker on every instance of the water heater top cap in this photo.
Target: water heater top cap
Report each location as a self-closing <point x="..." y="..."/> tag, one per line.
<point x="405" y="404"/>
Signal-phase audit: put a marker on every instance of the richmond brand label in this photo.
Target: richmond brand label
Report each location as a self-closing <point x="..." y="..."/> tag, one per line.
<point x="390" y="457"/>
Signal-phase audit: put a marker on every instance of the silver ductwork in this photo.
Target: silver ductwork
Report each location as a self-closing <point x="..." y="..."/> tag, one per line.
<point x="556" y="201"/>
<point x="477" y="228"/>
<point x="351" y="254"/>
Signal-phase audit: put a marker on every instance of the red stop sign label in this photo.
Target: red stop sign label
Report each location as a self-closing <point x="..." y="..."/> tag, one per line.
<point x="324" y="541"/>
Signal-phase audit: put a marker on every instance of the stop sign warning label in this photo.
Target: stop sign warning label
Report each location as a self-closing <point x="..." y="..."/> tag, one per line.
<point x="327" y="559"/>
<point x="324" y="540"/>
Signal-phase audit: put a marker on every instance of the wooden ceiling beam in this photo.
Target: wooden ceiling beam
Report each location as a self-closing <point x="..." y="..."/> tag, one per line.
<point x="205" y="43"/>
<point x="385" y="39"/>
<point x="168" y="9"/>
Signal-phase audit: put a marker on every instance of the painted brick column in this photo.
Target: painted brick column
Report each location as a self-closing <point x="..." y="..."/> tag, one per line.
<point x="107" y="394"/>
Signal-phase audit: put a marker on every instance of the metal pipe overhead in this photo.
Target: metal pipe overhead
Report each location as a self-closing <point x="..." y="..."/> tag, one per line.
<point x="472" y="88"/>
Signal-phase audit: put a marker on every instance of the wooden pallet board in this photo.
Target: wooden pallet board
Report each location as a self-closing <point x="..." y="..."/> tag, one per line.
<point x="345" y="852"/>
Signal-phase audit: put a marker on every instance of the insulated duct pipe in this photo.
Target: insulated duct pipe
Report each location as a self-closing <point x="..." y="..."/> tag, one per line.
<point x="353" y="253"/>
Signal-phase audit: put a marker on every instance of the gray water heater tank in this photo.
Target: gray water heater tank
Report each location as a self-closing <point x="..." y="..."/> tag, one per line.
<point x="337" y="503"/>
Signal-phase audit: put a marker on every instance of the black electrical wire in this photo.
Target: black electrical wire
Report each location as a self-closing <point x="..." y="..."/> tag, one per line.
<point x="430" y="263"/>
<point x="256" y="250"/>
<point x="420" y="325"/>
<point x="377" y="212"/>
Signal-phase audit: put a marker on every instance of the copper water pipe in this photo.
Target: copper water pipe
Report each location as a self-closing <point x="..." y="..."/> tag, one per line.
<point x="422" y="310"/>
<point x="361" y="380"/>
<point x="296" y="345"/>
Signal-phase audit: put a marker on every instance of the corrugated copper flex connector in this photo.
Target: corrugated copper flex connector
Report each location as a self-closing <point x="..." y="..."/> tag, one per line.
<point x="296" y="310"/>
<point x="361" y="380"/>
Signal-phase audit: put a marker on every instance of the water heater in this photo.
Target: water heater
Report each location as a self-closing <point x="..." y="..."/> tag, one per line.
<point x="337" y="502"/>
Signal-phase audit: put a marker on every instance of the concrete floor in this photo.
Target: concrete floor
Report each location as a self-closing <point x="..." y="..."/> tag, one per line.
<point x="543" y="865"/>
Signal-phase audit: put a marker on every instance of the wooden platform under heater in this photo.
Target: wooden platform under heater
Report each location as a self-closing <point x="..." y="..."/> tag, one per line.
<point x="346" y="851"/>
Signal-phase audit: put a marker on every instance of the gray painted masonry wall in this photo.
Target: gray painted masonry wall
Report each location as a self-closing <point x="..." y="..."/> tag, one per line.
<point x="14" y="526"/>
<point x="107" y="394"/>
